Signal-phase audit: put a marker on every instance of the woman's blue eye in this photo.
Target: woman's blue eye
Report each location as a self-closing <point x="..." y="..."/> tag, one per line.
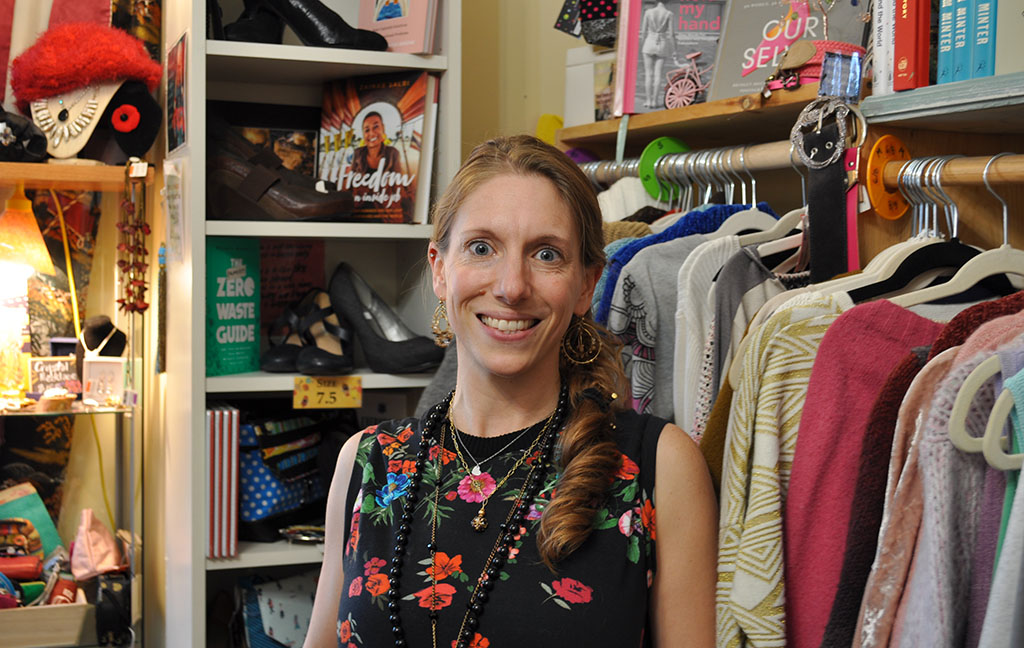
<point x="548" y="254"/>
<point x="480" y="248"/>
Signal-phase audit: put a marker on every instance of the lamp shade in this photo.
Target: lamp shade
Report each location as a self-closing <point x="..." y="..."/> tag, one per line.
<point x="20" y="238"/>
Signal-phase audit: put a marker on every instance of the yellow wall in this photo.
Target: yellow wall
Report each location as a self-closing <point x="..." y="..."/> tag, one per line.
<point x="513" y="66"/>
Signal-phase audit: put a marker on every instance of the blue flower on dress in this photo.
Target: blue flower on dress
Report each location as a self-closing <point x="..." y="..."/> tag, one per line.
<point x="397" y="486"/>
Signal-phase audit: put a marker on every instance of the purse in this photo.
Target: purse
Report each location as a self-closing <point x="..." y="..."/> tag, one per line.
<point x="20" y="139"/>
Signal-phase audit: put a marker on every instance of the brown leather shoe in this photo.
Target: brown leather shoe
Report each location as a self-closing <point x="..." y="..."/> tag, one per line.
<point x="240" y="190"/>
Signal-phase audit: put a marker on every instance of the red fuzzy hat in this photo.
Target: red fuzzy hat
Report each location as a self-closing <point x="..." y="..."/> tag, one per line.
<point x="76" y="55"/>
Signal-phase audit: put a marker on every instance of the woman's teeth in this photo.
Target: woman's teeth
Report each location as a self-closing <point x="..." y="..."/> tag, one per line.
<point x="507" y="325"/>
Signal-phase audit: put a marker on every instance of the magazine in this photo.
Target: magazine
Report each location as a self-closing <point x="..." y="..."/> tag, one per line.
<point x="757" y="32"/>
<point x="371" y="138"/>
<point x="408" y="25"/>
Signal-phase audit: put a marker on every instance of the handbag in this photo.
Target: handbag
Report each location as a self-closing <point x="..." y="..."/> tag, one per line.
<point x="802" y="64"/>
<point x="20" y="139"/>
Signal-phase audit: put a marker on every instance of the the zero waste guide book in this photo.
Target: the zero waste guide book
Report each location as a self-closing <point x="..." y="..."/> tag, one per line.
<point x="232" y="305"/>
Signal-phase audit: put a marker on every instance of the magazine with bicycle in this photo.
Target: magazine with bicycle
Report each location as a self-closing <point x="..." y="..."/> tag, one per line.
<point x="666" y="53"/>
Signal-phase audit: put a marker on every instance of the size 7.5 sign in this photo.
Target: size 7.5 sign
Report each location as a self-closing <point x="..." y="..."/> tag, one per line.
<point x="327" y="392"/>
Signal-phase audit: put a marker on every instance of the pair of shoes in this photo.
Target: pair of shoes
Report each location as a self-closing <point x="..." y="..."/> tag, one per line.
<point x="388" y="344"/>
<point x="240" y="189"/>
<point x="310" y="338"/>
<point x="313" y="22"/>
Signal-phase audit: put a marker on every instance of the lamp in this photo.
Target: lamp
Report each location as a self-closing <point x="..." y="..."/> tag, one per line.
<point x="21" y="241"/>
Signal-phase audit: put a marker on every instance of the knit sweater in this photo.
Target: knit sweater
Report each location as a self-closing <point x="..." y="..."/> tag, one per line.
<point x="694" y="310"/>
<point x="938" y="592"/>
<point x="961" y="326"/>
<point x="869" y="503"/>
<point x="856" y="355"/>
<point x="901" y="515"/>
<point x="760" y="441"/>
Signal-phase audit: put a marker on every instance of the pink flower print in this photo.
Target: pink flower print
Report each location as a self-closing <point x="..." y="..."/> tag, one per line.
<point x="355" y="588"/>
<point x="476" y="488"/>
<point x="373" y="566"/>
<point x="626" y="523"/>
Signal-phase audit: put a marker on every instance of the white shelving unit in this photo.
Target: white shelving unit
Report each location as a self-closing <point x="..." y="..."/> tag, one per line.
<point x="390" y="257"/>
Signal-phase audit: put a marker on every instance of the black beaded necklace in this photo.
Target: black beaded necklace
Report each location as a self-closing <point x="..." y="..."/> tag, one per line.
<point x="499" y="553"/>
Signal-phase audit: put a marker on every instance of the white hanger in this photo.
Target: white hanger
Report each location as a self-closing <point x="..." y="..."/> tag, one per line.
<point x="992" y="442"/>
<point x="1002" y="260"/>
<point x="975" y="380"/>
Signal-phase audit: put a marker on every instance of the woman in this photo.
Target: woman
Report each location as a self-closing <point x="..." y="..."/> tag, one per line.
<point x="520" y="510"/>
<point x="368" y="157"/>
<point x="658" y="42"/>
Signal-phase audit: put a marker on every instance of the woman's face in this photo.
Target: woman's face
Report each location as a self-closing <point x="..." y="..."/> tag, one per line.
<point x="373" y="131"/>
<point x="512" y="276"/>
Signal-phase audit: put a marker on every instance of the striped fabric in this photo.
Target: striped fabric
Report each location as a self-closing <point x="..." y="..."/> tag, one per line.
<point x="760" y="443"/>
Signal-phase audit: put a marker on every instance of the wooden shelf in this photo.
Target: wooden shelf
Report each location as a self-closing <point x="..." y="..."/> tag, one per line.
<point x="989" y="105"/>
<point x="269" y="554"/>
<point x="259" y="381"/>
<point x="716" y="123"/>
<point x="46" y="175"/>
<point x="286" y="229"/>
<point x="263" y="63"/>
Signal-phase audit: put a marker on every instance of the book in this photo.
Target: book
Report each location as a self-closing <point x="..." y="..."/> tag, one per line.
<point x="211" y="485"/>
<point x="911" y="36"/>
<point x="944" y="61"/>
<point x="983" y="39"/>
<point x="1009" y="56"/>
<point x="883" y="36"/>
<point x="756" y="34"/>
<point x="408" y="25"/>
<point x="429" y="152"/>
<point x="666" y="53"/>
<point x="371" y="139"/>
<point x="962" y="21"/>
<point x="232" y="305"/>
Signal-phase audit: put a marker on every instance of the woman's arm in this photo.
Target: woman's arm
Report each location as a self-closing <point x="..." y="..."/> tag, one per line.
<point x="683" y="593"/>
<point x="324" y="622"/>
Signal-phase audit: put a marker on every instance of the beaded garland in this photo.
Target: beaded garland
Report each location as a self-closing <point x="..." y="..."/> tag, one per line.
<point x="496" y="559"/>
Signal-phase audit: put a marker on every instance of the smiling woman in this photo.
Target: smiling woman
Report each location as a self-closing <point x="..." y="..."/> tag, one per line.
<point x="530" y="492"/>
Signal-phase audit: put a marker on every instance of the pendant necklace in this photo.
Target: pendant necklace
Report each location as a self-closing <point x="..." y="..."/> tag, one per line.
<point x="479" y="522"/>
<point x="477" y="471"/>
<point x="59" y="129"/>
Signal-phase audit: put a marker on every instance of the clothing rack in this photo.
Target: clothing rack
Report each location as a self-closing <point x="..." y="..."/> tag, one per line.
<point x="756" y="157"/>
<point x="967" y="171"/>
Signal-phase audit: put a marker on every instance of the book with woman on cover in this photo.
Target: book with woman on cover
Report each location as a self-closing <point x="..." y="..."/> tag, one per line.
<point x="372" y="134"/>
<point x="666" y="53"/>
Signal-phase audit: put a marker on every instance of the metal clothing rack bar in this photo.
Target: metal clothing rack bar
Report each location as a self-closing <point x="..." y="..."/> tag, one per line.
<point x="967" y="171"/>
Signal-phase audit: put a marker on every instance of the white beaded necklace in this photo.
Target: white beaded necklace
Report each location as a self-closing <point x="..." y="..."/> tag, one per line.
<point x="59" y="129"/>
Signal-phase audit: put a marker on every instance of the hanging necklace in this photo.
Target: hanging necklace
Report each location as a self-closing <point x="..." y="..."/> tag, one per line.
<point x="59" y="129"/>
<point x="479" y="523"/>
<point x="478" y="463"/>
<point x="489" y="575"/>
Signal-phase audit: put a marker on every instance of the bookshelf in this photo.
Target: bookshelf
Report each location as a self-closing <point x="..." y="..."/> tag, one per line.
<point x="365" y="231"/>
<point x="268" y="554"/>
<point x="41" y="175"/>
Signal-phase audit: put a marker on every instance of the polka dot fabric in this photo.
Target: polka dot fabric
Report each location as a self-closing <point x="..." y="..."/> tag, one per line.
<point x="262" y="493"/>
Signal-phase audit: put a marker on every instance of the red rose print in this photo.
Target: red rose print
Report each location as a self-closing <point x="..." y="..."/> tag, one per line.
<point x="478" y="641"/>
<point x="345" y="630"/>
<point x="355" y="588"/>
<point x="442" y="596"/>
<point x="648" y="520"/>
<point x="404" y="435"/>
<point x="451" y="495"/>
<point x="572" y="591"/>
<point x="377" y="584"/>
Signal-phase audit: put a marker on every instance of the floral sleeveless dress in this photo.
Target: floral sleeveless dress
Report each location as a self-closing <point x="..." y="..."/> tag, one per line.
<point x="599" y="597"/>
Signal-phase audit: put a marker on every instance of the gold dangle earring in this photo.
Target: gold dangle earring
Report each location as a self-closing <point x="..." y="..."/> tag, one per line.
<point x="442" y="336"/>
<point x="581" y="344"/>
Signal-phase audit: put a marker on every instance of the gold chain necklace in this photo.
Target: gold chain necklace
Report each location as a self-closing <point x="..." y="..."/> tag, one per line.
<point x="479" y="523"/>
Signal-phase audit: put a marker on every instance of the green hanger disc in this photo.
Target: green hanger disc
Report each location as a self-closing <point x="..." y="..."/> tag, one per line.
<point x="652" y="152"/>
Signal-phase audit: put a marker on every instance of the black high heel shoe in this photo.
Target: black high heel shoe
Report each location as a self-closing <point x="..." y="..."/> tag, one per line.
<point x="257" y="24"/>
<point x="328" y="341"/>
<point x="317" y="25"/>
<point x="285" y="335"/>
<point x="388" y="344"/>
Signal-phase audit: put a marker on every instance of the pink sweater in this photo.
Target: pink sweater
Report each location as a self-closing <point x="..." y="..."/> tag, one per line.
<point x="856" y="355"/>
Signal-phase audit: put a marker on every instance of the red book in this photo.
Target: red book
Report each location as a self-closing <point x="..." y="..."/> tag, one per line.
<point x="910" y="49"/>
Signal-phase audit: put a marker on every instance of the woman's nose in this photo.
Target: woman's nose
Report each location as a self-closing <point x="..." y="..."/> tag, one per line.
<point x="513" y="281"/>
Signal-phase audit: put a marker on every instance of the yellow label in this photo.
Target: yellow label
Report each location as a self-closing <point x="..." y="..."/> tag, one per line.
<point x="327" y="392"/>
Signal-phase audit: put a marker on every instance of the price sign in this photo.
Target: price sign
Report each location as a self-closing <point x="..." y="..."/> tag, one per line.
<point x="327" y="392"/>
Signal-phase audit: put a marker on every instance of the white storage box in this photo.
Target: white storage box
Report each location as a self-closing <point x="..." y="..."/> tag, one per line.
<point x="581" y="67"/>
